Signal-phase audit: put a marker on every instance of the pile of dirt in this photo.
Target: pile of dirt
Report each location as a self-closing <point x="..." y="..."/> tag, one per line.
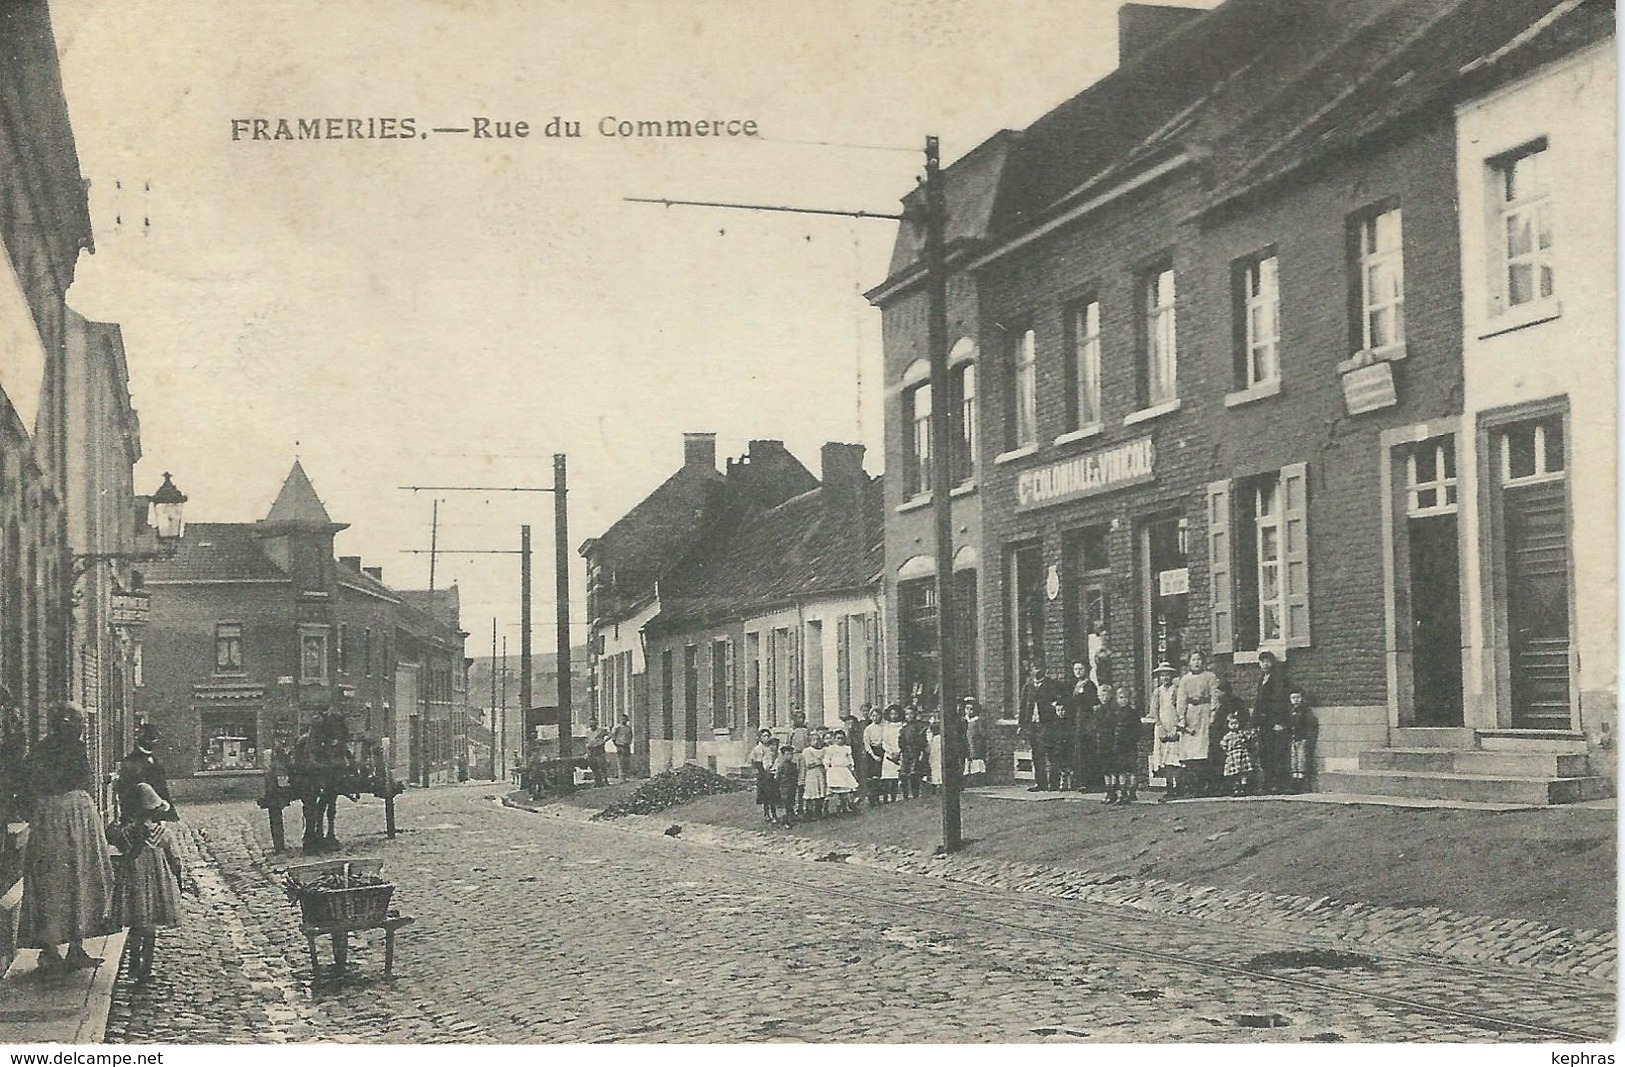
<point x="668" y="789"/>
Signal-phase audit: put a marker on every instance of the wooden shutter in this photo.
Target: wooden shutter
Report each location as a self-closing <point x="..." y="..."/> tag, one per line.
<point x="1219" y="567"/>
<point x="771" y="706"/>
<point x="1295" y="552"/>
<point x="730" y="717"/>
<point x="797" y="687"/>
<point x="843" y="664"/>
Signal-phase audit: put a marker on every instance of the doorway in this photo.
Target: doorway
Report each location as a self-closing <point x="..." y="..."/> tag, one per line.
<point x="1435" y="621"/>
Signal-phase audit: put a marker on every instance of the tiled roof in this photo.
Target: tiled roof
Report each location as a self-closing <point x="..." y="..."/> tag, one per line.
<point x="1254" y="89"/>
<point x="442" y="605"/>
<point x="649" y="539"/>
<point x="349" y="575"/>
<point x="821" y="542"/>
<point x="1422" y="54"/>
<point x="217" y="552"/>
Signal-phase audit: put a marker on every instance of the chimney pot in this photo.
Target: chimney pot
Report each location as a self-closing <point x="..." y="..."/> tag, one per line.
<point x="376" y="572"/>
<point x="352" y="562"/>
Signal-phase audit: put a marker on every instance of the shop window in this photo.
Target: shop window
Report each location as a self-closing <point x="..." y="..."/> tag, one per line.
<point x="228" y="648"/>
<point x="917" y="634"/>
<point x="1258" y="320"/>
<point x="1378" y="239"/>
<point x="1026" y="610"/>
<point x="230" y="741"/>
<point x="1083" y="349"/>
<point x="1258" y="561"/>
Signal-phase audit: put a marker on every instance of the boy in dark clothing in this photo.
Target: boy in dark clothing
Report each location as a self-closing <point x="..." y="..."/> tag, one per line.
<point x="913" y="740"/>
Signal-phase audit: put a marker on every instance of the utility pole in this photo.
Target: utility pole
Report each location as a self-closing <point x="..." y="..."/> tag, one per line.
<point x="561" y="549"/>
<point x="933" y="221"/>
<point x="502" y="742"/>
<point x="492" y="725"/>
<point x="524" y="625"/>
<point x="936" y="280"/>
<point x="561" y="596"/>
<point x="434" y="540"/>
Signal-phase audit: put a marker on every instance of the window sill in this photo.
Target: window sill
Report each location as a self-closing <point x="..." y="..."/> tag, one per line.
<point x="914" y="503"/>
<point x="1366" y="357"/>
<point x="1082" y="433"/>
<point x="1147" y="414"/>
<point x="963" y="489"/>
<point x="1016" y="453"/>
<point x="1253" y="394"/>
<point x="1532" y="314"/>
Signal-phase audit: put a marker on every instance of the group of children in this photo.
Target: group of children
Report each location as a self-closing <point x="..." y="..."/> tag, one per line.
<point x="790" y="781"/>
<point x="1241" y="742"/>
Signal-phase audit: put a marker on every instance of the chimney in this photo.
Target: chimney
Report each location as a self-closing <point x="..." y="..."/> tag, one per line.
<point x="1141" y="27"/>
<point x="841" y="467"/>
<point x="352" y="562"/>
<point x="700" y="450"/>
<point x="376" y="572"/>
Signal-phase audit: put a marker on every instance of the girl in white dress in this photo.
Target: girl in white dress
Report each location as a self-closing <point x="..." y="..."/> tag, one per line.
<point x="814" y="782"/>
<point x="891" y="743"/>
<point x="839" y="772"/>
<point x="933" y="748"/>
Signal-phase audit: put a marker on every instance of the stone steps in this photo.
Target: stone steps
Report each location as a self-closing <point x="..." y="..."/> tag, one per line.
<point x="1455" y="785"/>
<point x="1516" y="764"/>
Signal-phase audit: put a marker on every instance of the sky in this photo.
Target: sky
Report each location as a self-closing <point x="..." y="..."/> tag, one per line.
<point x="452" y="311"/>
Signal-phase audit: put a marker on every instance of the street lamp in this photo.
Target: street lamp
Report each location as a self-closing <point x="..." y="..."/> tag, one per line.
<point x="168" y="512"/>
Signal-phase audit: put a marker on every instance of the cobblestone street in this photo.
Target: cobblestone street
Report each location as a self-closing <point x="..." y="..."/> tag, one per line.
<point x="533" y="928"/>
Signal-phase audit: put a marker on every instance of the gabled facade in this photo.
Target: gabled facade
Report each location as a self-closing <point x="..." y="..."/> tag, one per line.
<point x="627" y="564"/>
<point x="255" y="630"/>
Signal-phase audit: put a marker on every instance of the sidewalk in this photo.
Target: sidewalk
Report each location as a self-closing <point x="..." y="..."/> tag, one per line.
<point x="65" y="1009"/>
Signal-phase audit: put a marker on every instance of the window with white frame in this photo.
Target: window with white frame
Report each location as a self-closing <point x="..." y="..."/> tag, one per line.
<point x="1524" y="198"/>
<point x="1258" y="561"/>
<point x="964" y="381"/>
<point x="1084" y="330"/>
<point x="1271" y="589"/>
<point x="1159" y="360"/>
<point x="917" y="457"/>
<point x="1532" y="451"/>
<point x="1430" y="478"/>
<point x="1259" y="301"/>
<point x="1379" y="235"/>
<point x="1024" y="368"/>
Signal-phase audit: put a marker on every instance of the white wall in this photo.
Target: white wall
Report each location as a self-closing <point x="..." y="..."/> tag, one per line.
<point x="1510" y="360"/>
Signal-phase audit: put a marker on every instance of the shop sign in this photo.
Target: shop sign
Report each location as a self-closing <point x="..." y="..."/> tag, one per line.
<point x="128" y="611"/>
<point x="1092" y="473"/>
<point x="1174" y="582"/>
<point x="1369" y="389"/>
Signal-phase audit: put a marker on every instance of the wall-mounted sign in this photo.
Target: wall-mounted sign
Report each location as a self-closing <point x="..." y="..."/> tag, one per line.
<point x="1174" y="582"/>
<point x="1095" y="472"/>
<point x="1369" y="388"/>
<point x="128" y="611"/>
<point x="1052" y="583"/>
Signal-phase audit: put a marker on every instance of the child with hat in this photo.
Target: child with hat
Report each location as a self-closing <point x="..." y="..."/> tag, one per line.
<point x="147" y="879"/>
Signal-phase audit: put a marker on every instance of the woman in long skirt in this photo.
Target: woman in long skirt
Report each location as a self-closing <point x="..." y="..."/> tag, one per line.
<point x="67" y="879"/>
<point x="147" y="884"/>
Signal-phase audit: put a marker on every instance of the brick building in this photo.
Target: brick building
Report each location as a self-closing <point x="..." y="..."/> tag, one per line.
<point x="1218" y="309"/>
<point x="782" y="613"/>
<point x="255" y="629"/>
<point x="695" y="507"/>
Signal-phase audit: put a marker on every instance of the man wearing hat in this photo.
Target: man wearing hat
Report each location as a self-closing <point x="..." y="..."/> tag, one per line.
<point x="142" y="766"/>
<point x="1040" y="720"/>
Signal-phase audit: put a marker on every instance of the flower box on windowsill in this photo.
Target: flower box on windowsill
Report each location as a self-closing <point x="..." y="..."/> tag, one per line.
<point x="1530" y="314"/>
<point x="1167" y="407"/>
<point x="1253" y="394"/>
